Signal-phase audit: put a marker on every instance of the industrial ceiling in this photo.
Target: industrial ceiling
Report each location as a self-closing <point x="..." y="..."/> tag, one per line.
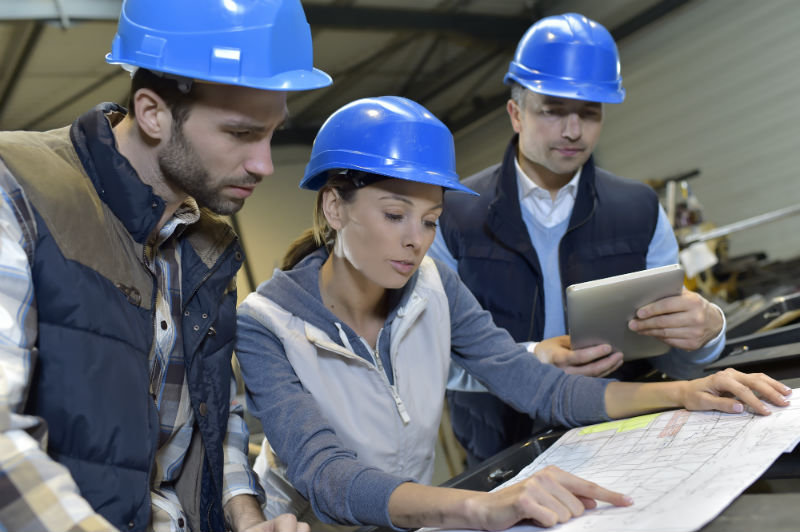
<point x="449" y="55"/>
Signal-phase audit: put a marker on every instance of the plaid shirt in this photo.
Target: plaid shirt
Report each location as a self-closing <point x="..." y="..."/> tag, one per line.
<point x="38" y="493"/>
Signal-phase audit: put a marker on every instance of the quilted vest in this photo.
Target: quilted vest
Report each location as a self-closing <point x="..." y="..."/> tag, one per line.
<point x="610" y="229"/>
<point x="95" y="299"/>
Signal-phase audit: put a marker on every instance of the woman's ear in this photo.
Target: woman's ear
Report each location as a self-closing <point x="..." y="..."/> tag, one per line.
<point x="332" y="208"/>
<point x="152" y="114"/>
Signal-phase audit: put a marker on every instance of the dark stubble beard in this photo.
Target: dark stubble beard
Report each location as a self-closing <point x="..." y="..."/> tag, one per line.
<point x="181" y="167"/>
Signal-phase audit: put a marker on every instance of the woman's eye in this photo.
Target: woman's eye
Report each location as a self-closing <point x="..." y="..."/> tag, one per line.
<point x="393" y="217"/>
<point x="430" y="224"/>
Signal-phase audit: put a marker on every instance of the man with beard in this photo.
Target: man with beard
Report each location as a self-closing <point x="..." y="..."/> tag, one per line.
<point x="118" y="290"/>
<point x="547" y="218"/>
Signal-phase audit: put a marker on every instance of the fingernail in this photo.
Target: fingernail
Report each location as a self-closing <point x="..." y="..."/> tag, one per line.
<point x="787" y="389"/>
<point x="738" y="408"/>
<point x="627" y="499"/>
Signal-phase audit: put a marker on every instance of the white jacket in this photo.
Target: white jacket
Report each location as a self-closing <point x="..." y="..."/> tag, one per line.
<point x="391" y="427"/>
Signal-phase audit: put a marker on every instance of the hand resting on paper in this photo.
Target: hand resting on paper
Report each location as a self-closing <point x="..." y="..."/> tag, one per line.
<point x="727" y="391"/>
<point x="730" y="391"/>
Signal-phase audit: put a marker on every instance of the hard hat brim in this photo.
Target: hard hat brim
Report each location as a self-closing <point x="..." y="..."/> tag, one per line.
<point x="612" y="92"/>
<point x="316" y="174"/>
<point x="292" y="80"/>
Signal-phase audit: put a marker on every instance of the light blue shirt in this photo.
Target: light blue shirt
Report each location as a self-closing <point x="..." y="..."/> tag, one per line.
<point x="545" y="228"/>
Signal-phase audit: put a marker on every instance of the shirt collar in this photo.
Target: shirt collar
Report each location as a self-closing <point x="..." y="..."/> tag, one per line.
<point x="527" y="187"/>
<point x="186" y="214"/>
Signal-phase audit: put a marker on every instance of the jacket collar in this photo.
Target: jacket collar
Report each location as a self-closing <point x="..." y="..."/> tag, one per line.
<point x="112" y="175"/>
<point x="505" y="213"/>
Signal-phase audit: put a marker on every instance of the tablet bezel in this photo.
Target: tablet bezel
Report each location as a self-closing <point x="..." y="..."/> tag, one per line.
<point x="598" y="311"/>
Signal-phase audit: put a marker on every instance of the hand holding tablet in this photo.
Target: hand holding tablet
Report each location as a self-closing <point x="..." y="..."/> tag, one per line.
<point x="598" y="311"/>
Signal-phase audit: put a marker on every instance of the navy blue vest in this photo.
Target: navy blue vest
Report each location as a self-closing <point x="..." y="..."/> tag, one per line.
<point x="609" y="232"/>
<point x="95" y="316"/>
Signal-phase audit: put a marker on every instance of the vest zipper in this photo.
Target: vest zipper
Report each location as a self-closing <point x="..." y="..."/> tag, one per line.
<point x="152" y="320"/>
<point x="533" y="316"/>
<point x="398" y="401"/>
<point x="151" y="393"/>
<point x="378" y="366"/>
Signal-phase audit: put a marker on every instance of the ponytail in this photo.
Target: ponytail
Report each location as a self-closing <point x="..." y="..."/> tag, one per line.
<point x="320" y="234"/>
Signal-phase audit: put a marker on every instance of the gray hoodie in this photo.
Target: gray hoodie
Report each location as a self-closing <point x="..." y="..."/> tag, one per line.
<point x="339" y="487"/>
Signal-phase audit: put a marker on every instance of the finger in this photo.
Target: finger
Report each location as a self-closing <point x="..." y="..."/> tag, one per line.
<point x="613" y="368"/>
<point x="668" y="305"/>
<point x="285" y="523"/>
<point x="541" y="515"/>
<point x="539" y="505"/>
<point x="587" y="502"/>
<point x="588" y="354"/>
<point x="560" y="502"/>
<point x="586" y="489"/>
<point x="710" y="401"/>
<point x="598" y="368"/>
<point x="729" y="381"/>
<point x="549" y="479"/>
<point x="303" y="527"/>
<point x="667" y="321"/>
<point x="768" y="388"/>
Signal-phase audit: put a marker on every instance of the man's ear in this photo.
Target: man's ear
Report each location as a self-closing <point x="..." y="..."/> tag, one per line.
<point x="514" y="114"/>
<point x="152" y="114"/>
<point x="331" y="208"/>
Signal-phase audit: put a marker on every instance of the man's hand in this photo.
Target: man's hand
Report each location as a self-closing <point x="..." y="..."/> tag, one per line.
<point x="686" y="321"/>
<point x="593" y="361"/>
<point x="244" y="514"/>
<point x="282" y="523"/>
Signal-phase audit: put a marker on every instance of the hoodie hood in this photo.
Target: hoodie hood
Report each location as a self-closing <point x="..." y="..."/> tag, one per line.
<point x="297" y="291"/>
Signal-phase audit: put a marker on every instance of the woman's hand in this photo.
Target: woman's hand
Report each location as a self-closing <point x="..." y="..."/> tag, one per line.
<point x="730" y="390"/>
<point x="548" y="497"/>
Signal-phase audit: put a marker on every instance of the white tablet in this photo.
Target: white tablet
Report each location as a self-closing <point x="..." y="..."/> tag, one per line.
<point x="598" y="311"/>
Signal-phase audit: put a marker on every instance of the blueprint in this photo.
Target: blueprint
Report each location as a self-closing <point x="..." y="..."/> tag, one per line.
<point x="681" y="468"/>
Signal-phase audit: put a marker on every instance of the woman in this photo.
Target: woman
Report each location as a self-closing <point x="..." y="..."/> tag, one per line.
<point x="345" y="352"/>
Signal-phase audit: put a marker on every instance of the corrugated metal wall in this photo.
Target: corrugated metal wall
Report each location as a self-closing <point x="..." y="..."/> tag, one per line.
<point x="714" y="85"/>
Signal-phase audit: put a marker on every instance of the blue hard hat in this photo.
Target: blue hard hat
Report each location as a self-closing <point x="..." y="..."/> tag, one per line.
<point x="264" y="44"/>
<point x="568" y="56"/>
<point x="387" y="135"/>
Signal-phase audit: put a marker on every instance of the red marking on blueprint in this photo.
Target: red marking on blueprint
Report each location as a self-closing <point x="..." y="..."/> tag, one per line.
<point x="675" y="423"/>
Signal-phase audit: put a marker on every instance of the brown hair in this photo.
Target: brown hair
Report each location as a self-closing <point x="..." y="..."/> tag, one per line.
<point x="179" y="101"/>
<point x="320" y="234"/>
